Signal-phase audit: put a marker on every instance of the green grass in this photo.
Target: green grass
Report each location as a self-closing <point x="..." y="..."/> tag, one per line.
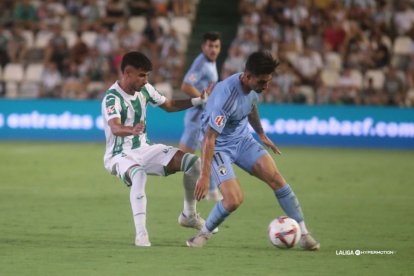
<point x="61" y="213"/>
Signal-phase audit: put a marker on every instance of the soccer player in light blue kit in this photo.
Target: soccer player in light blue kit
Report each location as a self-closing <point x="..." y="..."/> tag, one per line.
<point x="201" y="74"/>
<point x="227" y="140"/>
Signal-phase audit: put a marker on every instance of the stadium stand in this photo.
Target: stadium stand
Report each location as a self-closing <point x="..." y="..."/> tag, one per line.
<point x="329" y="49"/>
<point x="72" y="49"/>
<point x="360" y="42"/>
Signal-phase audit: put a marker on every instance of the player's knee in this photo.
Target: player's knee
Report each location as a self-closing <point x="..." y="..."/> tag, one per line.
<point x="233" y="202"/>
<point x="276" y="181"/>
<point x="191" y="163"/>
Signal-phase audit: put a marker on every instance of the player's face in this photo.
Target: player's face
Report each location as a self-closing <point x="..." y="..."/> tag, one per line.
<point x="137" y="78"/>
<point x="211" y="49"/>
<point x="260" y="82"/>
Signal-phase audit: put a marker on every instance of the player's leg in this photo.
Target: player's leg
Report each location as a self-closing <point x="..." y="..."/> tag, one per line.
<point x="189" y="143"/>
<point x="189" y="138"/>
<point x="222" y="172"/>
<point x="257" y="161"/>
<point x="138" y="198"/>
<point x="133" y="175"/>
<point x="189" y="164"/>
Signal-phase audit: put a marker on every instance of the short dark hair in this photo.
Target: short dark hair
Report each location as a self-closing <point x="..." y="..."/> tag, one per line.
<point x="137" y="60"/>
<point x="260" y="63"/>
<point x="211" y="36"/>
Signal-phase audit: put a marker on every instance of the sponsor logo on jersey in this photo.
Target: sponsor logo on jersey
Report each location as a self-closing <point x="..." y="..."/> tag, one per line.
<point x="192" y="77"/>
<point x="110" y="110"/>
<point x="222" y="170"/>
<point x="219" y="120"/>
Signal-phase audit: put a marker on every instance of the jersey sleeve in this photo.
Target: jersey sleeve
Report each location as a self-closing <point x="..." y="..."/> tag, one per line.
<point x="222" y="108"/>
<point x="194" y="75"/>
<point x="111" y="107"/>
<point x="154" y="97"/>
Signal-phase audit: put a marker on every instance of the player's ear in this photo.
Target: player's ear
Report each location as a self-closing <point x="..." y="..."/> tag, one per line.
<point x="129" y="69"/>
<point x="248" y="75"/>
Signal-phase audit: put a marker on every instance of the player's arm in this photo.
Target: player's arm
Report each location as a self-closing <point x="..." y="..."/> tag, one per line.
<point x="254" y="121"/>
<point x="190" y="90"/>
<point x="207" y="149"/>
<point x="118" y="129"/>
<point x="178" y="105"/>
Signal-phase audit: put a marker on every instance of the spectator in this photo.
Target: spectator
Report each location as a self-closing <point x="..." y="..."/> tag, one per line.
<point x="115" y="12"/>
<point x="105" y="42"/>
<point x="17" y="45"/>
<point x="91" y="16"/>
<point x="57" y="50"/>
<point x="308" y="67"/>
<point x="4" y="52"/>
<point x="51" y="82"/>
<point x="25" y="14"/>
<point x="404" y="17"/>
<point x="347" y="89"/>
<point x="79" y="50"/>
<point x="394" y="87"/>
<point x="334" y="35"/>
<point x="139" y="7"/>
<point x="372" y="96"/>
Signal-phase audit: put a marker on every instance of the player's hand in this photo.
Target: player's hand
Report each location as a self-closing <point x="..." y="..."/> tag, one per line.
<point x="138" y="129"/>
<point x="209" y="89"/>
<point x="268" y="143"/>
<point x="201" y="188"/>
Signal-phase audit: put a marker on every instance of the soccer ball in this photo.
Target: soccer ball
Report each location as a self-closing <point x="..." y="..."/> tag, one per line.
<point x="284" y="232"/>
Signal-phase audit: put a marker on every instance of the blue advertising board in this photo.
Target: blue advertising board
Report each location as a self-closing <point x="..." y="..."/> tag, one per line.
<point x="63" y="120"/>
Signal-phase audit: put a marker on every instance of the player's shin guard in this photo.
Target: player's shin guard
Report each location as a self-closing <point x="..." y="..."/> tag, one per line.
<point x="138" y="199"/>
<point x="289" y="203"/>
<point x="217" y="215"/>
<point x="190" y="165"/>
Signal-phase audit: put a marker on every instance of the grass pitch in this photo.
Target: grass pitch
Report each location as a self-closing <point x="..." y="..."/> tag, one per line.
<point x="62" y="214"/>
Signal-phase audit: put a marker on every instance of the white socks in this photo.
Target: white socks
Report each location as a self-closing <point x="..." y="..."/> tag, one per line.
<point x="303" y="228"/>
<point x="190" y="165"/>
<point x="138" y="199"/>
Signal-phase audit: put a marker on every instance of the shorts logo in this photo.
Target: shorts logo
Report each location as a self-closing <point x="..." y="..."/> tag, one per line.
<point x="219" y="120"/>
<point x="222" y="170"/>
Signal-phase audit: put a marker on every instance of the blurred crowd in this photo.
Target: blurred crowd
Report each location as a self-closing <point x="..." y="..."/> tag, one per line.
<point x="73" y="48"/>
<point x="331" y="51"/>
<point x="356" y="52"/>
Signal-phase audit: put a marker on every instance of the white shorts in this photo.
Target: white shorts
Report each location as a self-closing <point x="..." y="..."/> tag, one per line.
<point x="153" y="158"/>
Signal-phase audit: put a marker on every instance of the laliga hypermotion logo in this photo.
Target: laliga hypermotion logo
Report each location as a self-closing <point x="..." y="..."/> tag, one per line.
<point x="219" y="120"/>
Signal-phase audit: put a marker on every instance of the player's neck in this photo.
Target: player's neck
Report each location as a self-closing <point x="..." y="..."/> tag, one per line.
<point x="243" y="83"/>
<point x="209" y="60"/>
<point x="126" y="88"/>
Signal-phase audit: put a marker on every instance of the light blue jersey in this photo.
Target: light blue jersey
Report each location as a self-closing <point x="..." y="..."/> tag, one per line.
<point x="200" y="75"/>
<point x="227" y="109"/>
<point x="227" y="113"/>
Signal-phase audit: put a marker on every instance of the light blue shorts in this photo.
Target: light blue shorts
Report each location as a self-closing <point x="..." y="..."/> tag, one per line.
<point x="191" y="132"/>
<point x="243" y="153"/>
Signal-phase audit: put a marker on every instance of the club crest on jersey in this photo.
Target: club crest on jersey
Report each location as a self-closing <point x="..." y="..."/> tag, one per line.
<point x="219" y="120"/>
<point x="192" y="77"/>
<point x="222" y="170"/>
<point x="110" y="110"/>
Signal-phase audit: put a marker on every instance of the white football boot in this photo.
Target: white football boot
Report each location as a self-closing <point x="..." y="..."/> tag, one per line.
<point x="194" y="221"/>
<point x="307" y="242"/>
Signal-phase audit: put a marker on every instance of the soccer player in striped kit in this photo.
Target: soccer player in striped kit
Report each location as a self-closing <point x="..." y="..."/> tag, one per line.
<point x="129" y="153"/>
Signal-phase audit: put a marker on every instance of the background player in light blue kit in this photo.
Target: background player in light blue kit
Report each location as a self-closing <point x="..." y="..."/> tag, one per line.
<point x="201" y="74"/>
<point x="227" y="140"/>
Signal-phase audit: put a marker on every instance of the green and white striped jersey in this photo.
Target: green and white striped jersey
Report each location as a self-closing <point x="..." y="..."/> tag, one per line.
<point x="131" y="109"/>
